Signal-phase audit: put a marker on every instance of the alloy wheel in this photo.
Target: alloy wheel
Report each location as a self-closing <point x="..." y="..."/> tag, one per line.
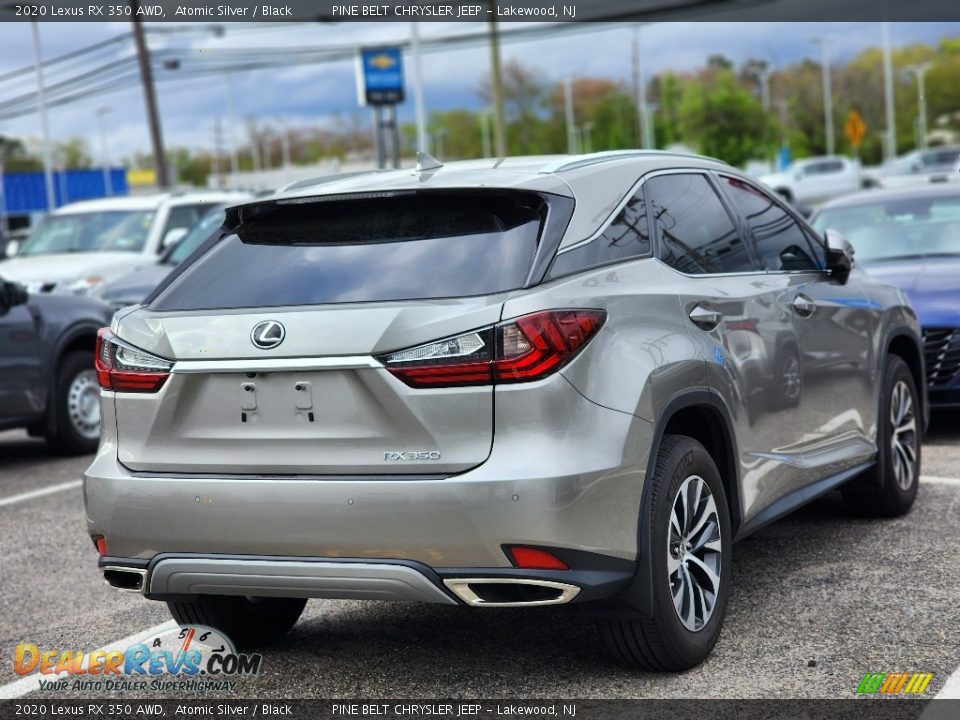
<point x="694" y="549"/>
<point x="791" y="378"/>
<point x="903" y="435"/>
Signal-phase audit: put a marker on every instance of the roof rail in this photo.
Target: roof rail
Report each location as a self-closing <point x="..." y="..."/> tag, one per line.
<point x="572" y="162"/>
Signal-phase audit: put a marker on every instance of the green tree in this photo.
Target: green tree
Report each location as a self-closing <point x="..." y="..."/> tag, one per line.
<point x="725" y="119"/>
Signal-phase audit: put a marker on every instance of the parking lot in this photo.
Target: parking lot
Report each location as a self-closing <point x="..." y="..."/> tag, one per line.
<point x="819" y="599"/>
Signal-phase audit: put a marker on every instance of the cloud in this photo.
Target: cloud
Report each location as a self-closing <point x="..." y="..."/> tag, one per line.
<point x="315" y="94"/>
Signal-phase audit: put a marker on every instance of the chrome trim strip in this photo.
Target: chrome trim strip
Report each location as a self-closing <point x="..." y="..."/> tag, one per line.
<point x="461" y="588"/>
<point x="134" y="571"/>
<point x="340" y="362"/>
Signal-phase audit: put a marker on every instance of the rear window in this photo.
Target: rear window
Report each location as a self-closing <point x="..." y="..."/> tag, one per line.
<point x="413" y="246"/>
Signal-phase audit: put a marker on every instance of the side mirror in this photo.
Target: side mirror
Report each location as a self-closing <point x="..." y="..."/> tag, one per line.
<point x="13" y="247"/>
<point x="173" y="236"/>
<point x="11" y="295"/>
<point x="798" y="175"/>
<point x="839" y="255"/>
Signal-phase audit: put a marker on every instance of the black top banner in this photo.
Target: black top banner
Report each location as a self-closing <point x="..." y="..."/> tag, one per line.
<point x="566" y="11"/>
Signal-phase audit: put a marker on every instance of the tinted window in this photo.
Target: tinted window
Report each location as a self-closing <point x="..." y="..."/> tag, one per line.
<point x="628" y="236"/>
<point x="198" y="234"/>
<point x="827" y="166"/>
<point x="184" y="216"/>
<point x="695" y="233"/>
<point x="780" y="242"/>
<point x="107" y="231"/>
<point x="409" y="247"/>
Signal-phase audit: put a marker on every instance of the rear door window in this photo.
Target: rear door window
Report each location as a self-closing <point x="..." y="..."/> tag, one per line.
<point x="411" y="246"/>
<point x="695" y="233"/>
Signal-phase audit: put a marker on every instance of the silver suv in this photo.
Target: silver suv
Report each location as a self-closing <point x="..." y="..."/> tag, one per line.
<point x="500" y="383"/>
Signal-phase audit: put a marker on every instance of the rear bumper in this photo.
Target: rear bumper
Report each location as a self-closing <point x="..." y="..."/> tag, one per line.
<point x="177" y="576"/>
<point x="567" y="475"/>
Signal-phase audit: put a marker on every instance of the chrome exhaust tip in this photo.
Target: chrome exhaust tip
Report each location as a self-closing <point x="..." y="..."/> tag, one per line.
<point x="125" y="578"/>
<point x="511" y="592"/>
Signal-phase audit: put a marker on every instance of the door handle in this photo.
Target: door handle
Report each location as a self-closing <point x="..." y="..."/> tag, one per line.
<point x="705" y="318"/>
<point x="804" y="306"/>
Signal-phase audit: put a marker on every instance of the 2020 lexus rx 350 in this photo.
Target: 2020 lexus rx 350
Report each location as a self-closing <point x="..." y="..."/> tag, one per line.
<point x="499" y="383"/>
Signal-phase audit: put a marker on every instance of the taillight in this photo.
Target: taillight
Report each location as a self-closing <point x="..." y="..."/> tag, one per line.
<point x="520" y="350"/>
<point x="124" y="368"/>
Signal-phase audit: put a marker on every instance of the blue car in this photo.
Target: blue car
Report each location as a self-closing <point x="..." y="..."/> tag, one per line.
<point x="911" y="238"/>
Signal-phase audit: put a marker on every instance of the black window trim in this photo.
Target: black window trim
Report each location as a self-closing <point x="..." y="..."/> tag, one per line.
<point x="735" y="220"/>
<point x="805" y="227"/>
<point x="604" y="226"/>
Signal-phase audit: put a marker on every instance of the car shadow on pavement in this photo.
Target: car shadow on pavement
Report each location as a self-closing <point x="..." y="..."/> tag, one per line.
<point x="18" y="447"/>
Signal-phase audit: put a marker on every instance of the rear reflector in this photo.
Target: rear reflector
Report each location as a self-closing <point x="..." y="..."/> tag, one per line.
<point x="100" y="543"/>
<point x="535" y="559"/>
<point x="527" y="348"/>
<point x="124" y="368"/>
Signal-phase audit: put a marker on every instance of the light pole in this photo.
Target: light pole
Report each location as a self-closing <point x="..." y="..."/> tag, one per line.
<point x="644" y="121"/>
<point x="890" y="146"/>
<point x="422" y="142"/>
<point x="920" y="72"/>
<point x="496" y="85"/>
<point x="823" y="42"/>
<point x="105" y="155"/>
<point x="231" y="126"/>
<point x="44" y="125"/>
<point x="568" y="112"/>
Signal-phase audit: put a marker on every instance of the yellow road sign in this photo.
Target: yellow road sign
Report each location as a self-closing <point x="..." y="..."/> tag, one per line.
<point x="854" y="128"/>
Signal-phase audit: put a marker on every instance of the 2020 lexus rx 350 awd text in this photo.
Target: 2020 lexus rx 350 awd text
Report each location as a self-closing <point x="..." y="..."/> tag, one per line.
<point x="520" y="382"/>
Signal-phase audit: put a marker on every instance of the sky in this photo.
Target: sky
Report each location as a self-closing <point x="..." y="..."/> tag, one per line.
<point x="320" y="94"/>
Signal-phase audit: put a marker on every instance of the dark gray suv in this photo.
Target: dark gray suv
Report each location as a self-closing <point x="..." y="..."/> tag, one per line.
<point x="518" y="382"/>
<point x="47" y="380"/>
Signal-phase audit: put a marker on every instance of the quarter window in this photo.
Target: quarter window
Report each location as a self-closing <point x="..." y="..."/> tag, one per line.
<point x="628" y="236"/>
<point x="780" y="242"/>
<point x="695" y="233"/>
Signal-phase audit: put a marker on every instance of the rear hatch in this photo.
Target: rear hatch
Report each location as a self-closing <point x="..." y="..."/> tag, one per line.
<point x="275" y="333"/>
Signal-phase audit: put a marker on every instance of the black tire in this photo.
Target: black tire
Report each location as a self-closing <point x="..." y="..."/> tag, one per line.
<point x="65" y="436"/>
<point x="663" y="642"/>
<point x="248" y="622"/>
<point x="878" y="493"/>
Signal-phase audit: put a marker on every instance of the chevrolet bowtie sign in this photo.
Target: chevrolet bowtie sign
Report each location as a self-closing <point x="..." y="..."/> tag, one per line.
<point x="381" y="76"/>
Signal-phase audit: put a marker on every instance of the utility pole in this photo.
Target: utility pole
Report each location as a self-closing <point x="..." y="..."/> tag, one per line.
<point x="920" y="71"/>
<point x="284" y="143"/>
<point x="890" y="146"/>
<point x="485" y="141"/>
<point x="217" y="151"/>
<point x="231" y="126"/>
<point x="150" y="98"/>
<point x="568" y="111"/>
<point x="637" y="90"/>
<point x="423" y="144"/>
<point x="496" y="86"/>
<point x="44" y="125"/>
<point x="823" y="43"/>
<point x="105" y="155"/>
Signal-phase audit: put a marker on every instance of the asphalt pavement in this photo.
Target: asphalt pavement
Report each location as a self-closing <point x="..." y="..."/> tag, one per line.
<point x="819" y="599"/>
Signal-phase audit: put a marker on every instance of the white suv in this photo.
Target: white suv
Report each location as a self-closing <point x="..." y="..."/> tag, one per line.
<point x="80" y="246"/>
<point x="816" y="179"/>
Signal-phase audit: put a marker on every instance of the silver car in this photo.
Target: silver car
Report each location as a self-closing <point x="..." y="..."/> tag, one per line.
<point x="499" y="383"/>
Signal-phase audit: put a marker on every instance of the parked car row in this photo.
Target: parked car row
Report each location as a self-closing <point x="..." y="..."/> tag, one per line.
<point x="66" y="278"/>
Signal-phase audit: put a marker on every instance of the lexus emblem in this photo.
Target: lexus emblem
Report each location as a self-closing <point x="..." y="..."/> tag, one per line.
<point x="268" y="334"/>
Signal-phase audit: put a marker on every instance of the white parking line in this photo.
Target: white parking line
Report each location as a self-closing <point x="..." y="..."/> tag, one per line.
<point x="951" y="688"/>
<point x="955" y="482"/>
<point x="23" y="497"/>
<point x="19" y="688"/>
